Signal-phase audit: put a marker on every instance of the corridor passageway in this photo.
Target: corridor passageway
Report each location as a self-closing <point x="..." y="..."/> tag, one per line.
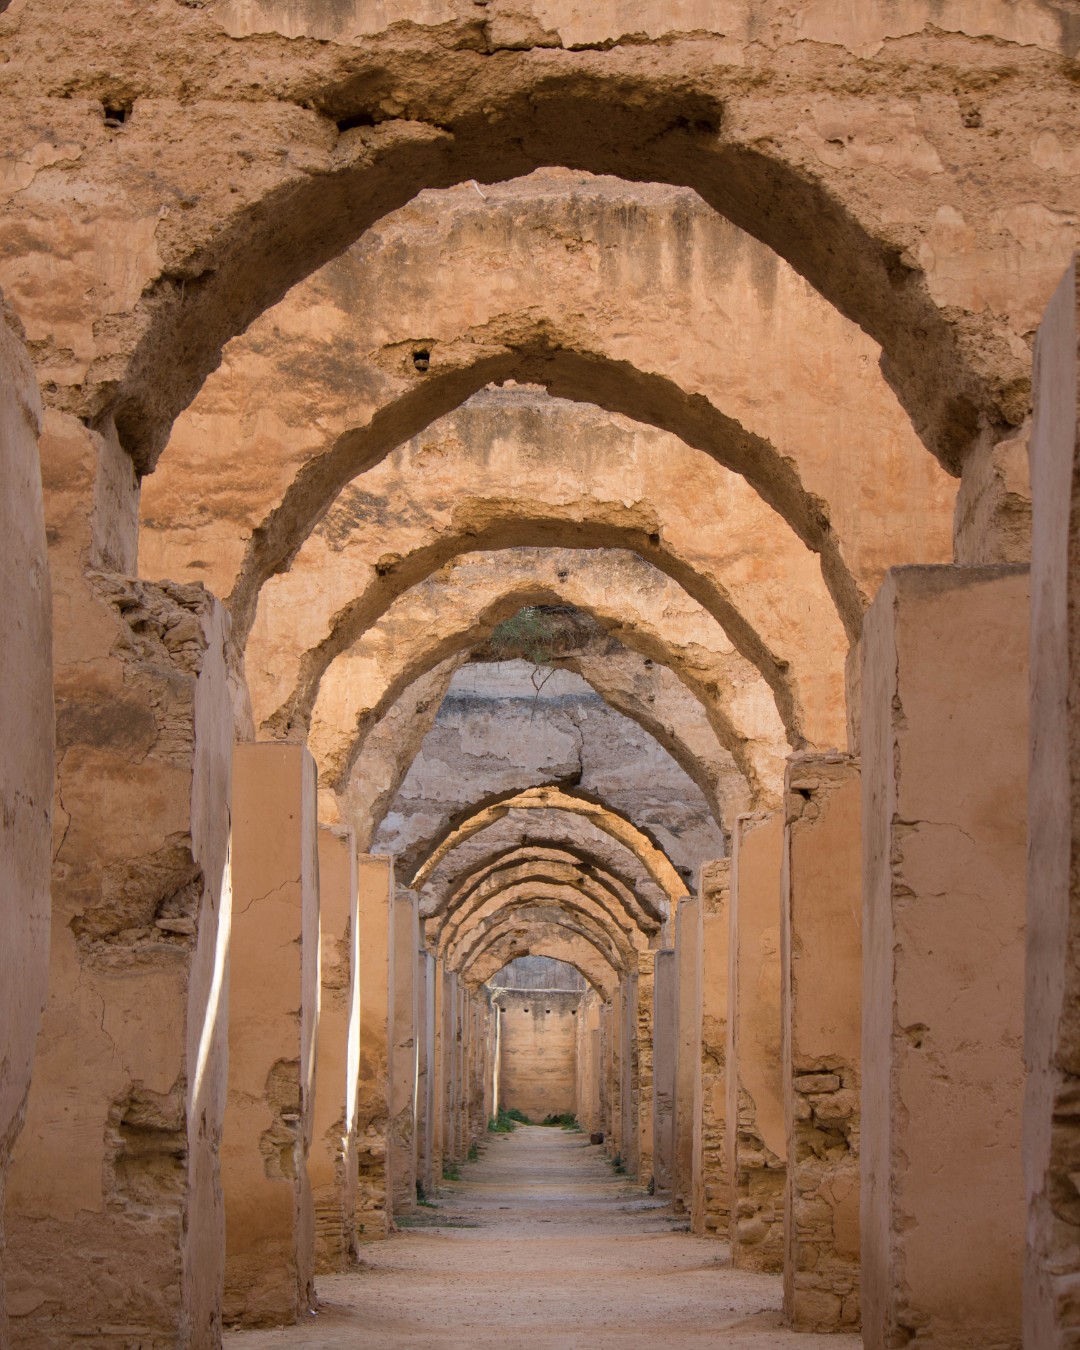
<point x="542" y="1244"/>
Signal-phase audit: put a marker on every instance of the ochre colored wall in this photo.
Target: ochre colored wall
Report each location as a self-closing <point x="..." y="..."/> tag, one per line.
<point x="538" y="1051"/>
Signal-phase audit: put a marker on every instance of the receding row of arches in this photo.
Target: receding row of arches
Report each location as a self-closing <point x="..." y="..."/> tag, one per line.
<point x="492" y="497"/>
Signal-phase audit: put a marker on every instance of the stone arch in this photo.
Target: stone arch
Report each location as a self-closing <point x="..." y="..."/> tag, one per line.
<point x="501" y="730"/>
<point x="653" y="859"/>
<point x="639" y="688"/>
<point x="535" y="878"/>
<point x="228" y="262"/>
<point x="505" y="835"/>
<point x="555" y="917"/>
<point x="531" y="895"/>
<point x="544" y="940"/>
<point x="474" y="482"/>
<point x="651" y="616"/>
<point x="485" y="879"/>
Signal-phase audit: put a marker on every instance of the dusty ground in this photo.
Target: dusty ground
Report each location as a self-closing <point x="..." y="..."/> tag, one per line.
<point x="541" y="1244"/>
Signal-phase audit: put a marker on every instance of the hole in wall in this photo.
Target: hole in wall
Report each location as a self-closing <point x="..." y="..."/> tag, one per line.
<point x="117" y="112"/>
<point x="421" y="359"/>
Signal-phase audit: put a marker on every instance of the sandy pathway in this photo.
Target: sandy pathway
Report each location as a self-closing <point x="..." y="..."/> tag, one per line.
<point x="542" y="1245"/>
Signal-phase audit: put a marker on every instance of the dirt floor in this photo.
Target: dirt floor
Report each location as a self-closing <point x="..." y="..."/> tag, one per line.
<point x="541" y="1244"/>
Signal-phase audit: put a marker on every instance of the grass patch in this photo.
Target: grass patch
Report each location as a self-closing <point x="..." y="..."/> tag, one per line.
<point x="506" y="1122"/>
<point x="617" y="1165"/>
<point x="474" y="1152"/>
<point x="564" y="1119"/>
<point x="450" y="1172"/>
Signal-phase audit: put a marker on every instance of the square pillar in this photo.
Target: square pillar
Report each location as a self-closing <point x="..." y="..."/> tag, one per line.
<point x="707" y="935"/>
<point x="425" y="1073"/>
<point x="332" y="1163"/>
<point x="663" y="1103"/>
<point x="403" y="1074"/>
<point x="374" y="1201"/>
<point x="687" y="1049"/>
<point x="821" y="999"/>
<point x="944" y="771"/>
<point x="644" y="1031"/>
<point x="628" y="1086"/>
<point x="1052" y="1031"/>
<point x="755" y="1137"/>
<point x="113" y="1210"/>
<point x="273" y="1018"/>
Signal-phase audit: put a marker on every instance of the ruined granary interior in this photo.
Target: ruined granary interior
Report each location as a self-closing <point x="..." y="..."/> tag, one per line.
<point x="540" y="544"/>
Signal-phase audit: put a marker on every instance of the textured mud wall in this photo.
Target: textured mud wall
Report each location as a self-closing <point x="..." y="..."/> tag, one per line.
<point x="405" y="1018"/>
<point x="945" y="656"/>
<point x="538" y="1050"/>
<point x="687" y="1050"/>
<point x="709" y="941"/>
<point x="821" y="1009"/>
<point x="664" y="1071"/>
<point x="496" y="734"/>
<point x="27" y="735"/>
<point x="374" y="1200"/>
<point x="273" y="1023"/>
<point x="755" y="1138"/>
<point x="1051" y="1136"/>
<point x="118" y="1162"/>
<point x="332" y="1161"/>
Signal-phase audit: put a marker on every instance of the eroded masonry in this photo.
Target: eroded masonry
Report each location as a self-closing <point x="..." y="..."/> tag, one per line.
<point x="540" y="575"/>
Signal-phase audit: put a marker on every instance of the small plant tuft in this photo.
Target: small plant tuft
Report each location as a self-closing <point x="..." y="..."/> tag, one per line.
<point x="566" y="1119"/>
<point x="474" y="1152"/>
<point x="450" y="1172"/>
<point x="617" y="1164"/>
<point x="519" y="1116"/>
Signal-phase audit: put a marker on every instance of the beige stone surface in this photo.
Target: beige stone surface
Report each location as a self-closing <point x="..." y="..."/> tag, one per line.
<point x="332" y="1160"/>
<point x="1051" y="1257"/>
<point x="520" y="453"/>
<point x="945" y="657"/>
<point x="821" y="1011"/>
<point x="538" y="1047"/>
<point x="687" y="1051"/>
<point x="755" y="1137"/>
<point x="405" y="1036"/>
<point x="273" y="1031"/>
<point x="709" y="942"/>
<point x="765" y="366"/>
<point x="119" y="1154"/>
<point x="459" y="607"/>
<point x="665" y="993"/>
<point x="374" y="1198"/>
<point x="27" y="735"/>
<point x="497" y="733"/>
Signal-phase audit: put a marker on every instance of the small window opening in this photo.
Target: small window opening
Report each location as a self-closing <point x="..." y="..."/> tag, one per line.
<point x="421" y="360"/>
<point x="116" y="114"/>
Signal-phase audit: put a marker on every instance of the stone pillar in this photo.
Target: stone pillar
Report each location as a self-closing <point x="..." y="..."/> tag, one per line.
<point x="707" y="934"/>
<point x="644" y="1105"/>
<point x="332" y="1163"/>
<point x="687" y="1048"/>
<point x="607" y="1076"/>
<point x="589" y="1070"/>
<point x="27" y="735"/>
<point x="663" y="1058"/>
<point x="1052" y="1032"/>
<point x="821" y="1000"/>
<point x="441" y="1087"/>
<point x="113" y="1207"/>
<point x="273" y="1014"/>
<point x="374" y="1201"/>
<point x="628" y="1086"/>
<point x="944" y="770"/>
<point x="755" y="1138"/>
<point x="425" y="1073"/>
<point x="403" y="1074"/>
